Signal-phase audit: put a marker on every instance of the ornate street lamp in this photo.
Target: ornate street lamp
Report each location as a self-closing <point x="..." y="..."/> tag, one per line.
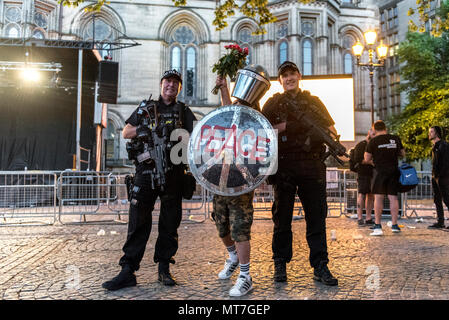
<point x="382" y="50"/>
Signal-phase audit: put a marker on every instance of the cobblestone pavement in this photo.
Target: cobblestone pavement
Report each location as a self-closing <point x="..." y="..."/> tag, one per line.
<point x="72" y="261"/>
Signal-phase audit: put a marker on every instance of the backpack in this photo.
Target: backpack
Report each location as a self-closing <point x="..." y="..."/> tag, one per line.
<point x="352" y="162"/>
<point x="408" y="178"/>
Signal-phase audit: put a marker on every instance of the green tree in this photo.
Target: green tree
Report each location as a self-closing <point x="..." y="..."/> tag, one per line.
<point x="439" y="24"/>
<point x="425" y="76"/>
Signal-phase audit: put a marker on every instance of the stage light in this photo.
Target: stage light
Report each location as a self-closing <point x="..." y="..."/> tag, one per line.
<point x="30" y="74"/>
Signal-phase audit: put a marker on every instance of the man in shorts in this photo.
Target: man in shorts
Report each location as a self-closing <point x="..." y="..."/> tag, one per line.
<point x="233" y="215"/>
<point x="383" y="151"/>
<point x="365" y="199"/>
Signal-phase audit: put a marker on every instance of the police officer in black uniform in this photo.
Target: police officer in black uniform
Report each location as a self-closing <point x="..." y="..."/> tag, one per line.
<point x="301" y="170"/>
<point x="173" y="114"/>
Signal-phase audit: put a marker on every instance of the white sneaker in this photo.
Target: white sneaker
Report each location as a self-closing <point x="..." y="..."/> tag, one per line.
<point x="243" y="285"/>
<point x="228" y="269"/>
<point x="377" y="232"/>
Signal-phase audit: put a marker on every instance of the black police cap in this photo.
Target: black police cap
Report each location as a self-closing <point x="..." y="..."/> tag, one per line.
<point x="172" y="74"/>
<point x="287" y="65"/>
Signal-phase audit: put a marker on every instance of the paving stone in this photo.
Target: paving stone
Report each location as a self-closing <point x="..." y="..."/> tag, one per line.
<point x="72" y="261"/>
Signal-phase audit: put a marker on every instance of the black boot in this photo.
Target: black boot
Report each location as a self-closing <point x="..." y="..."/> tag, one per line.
<point x="322" y="274"/>
<point x="280" y="271"/>
<point x="125" y="278"/>
<point x="438" y="225"/>
<point x="164" y="275"/>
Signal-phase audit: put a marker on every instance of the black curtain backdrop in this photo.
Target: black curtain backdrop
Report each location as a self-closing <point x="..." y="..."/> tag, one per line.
<point x="38" y="124"/>
<point x="38" y="129"/>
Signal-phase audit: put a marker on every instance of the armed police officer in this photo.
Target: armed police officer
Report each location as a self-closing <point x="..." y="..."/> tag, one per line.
<point x="301" y="170"/>
<point x="149" y="128"/>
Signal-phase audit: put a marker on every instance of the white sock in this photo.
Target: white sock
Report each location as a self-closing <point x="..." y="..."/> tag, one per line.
<point x="232" y="251"/>
<point x="244" y="269"/>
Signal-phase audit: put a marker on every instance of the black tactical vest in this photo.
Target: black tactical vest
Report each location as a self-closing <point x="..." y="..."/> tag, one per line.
<point x="297" y="139"/>
<point x="158" y="113"/>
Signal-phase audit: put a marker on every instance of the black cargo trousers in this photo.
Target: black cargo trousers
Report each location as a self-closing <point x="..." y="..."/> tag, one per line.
<point x="440" y="189"/>
<point x="307" y="178"/>
<point x="140" y="219"/>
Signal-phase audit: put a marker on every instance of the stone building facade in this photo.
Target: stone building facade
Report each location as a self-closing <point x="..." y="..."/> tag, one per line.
<point x="317" y="36"/>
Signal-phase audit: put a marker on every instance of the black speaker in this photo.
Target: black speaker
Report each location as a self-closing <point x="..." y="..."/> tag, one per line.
<point x="108" y="82"/>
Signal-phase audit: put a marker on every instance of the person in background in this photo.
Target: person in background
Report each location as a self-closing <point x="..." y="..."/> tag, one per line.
<point x="440" y="174"/>
<point x="384" y="151"/>
<point x="365" y="199"/>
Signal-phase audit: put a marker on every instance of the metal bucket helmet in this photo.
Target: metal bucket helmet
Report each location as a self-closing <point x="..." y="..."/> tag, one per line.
<point x="251" y="84"/>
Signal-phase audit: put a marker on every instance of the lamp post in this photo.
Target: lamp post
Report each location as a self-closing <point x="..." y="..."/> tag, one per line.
<point x="370" y="39"/>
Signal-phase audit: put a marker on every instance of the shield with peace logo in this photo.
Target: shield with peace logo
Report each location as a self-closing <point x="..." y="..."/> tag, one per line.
<point x="232" y="150"/>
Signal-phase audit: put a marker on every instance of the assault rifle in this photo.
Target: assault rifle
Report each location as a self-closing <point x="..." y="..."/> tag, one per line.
<point x="330" y="139"/>
<point x="155" y="145"/>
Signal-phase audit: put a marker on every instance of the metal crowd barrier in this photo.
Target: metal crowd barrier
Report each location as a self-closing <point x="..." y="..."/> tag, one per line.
<point x="46" y="197"/>
<point x="104" y="193"/>
<point x="419" y="201"/>
<point x="264" y="196"/>
<point x="416" y="202"/>
<point x="28" y="195"/>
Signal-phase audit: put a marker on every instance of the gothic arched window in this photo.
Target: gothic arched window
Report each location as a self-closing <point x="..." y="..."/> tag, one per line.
<point x="282" y="31"/>
<point x="283" y="52"/>
<point x="348" y="42"/>
<point x="176" y="59"/>
<point x="13" y="14"/>
<point x="245" y="39"/>
<point x="99" y="29"/>
<point x="41" y="20"/>
<point x="190" y="72"/>
<point x="347" y="63"/>
<point x="307" y="57"/>
<point x="12" y="31"/>
<point x="37" y="34"/>
<point x="183" y="58"/>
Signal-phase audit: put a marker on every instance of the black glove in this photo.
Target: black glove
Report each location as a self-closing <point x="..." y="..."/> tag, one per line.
<point x="142" y="131"/>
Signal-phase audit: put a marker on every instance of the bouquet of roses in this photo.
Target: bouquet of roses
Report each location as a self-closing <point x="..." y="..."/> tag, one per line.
<point x="230" y="63"/>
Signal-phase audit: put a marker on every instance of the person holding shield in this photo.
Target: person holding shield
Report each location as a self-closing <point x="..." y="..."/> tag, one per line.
<point x="233" y="215"/>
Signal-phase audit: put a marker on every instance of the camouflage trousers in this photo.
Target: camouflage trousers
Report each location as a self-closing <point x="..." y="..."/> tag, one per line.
<point x="234" y="215"/>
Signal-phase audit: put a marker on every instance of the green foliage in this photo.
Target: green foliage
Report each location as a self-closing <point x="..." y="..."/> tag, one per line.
<point x="425" y="62"/>
<point x="413" y="126"/>
<point x="440" y="23"/>
<point x="95" y="6"/>
<point x="257" y="10"/>
<point x="424" y="72"/>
